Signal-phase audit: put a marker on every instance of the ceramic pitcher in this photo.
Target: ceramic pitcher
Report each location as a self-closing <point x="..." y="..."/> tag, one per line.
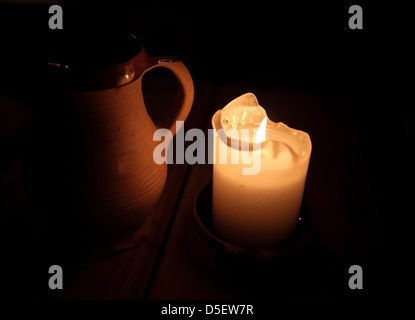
<point x="89" y="161"/>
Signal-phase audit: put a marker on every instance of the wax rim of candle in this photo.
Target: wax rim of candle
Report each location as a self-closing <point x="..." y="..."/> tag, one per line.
<point x="244" y="110"/>
<point x="298" y="140"/>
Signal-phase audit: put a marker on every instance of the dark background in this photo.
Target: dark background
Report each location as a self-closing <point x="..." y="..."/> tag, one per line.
<point x="300" y="45"/>
<point x="296" y="44"/>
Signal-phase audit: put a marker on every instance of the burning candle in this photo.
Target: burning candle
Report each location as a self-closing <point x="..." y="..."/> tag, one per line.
<point x="259" y="173"/>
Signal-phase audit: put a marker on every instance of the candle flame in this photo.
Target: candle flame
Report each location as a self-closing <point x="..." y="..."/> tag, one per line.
<point x="260" y="135"/>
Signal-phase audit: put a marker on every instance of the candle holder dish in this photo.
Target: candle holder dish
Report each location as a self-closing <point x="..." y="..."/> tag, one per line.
<point x="202" y="212"/>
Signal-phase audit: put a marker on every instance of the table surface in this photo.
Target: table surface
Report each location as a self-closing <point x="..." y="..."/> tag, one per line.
<point x="174" y="259"/>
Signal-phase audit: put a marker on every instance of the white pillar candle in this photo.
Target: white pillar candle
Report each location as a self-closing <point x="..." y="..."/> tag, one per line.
<point x="257" y="207"/>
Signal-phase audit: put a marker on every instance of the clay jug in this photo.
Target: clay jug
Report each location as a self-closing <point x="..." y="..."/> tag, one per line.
<point x="89" y="161"/>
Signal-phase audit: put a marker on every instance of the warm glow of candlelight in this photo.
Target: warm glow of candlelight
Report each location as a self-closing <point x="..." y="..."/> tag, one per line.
<point x="257" y="191"/>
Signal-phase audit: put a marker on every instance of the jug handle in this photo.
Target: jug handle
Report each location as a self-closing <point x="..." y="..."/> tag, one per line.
<point x="182" y="74"/>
